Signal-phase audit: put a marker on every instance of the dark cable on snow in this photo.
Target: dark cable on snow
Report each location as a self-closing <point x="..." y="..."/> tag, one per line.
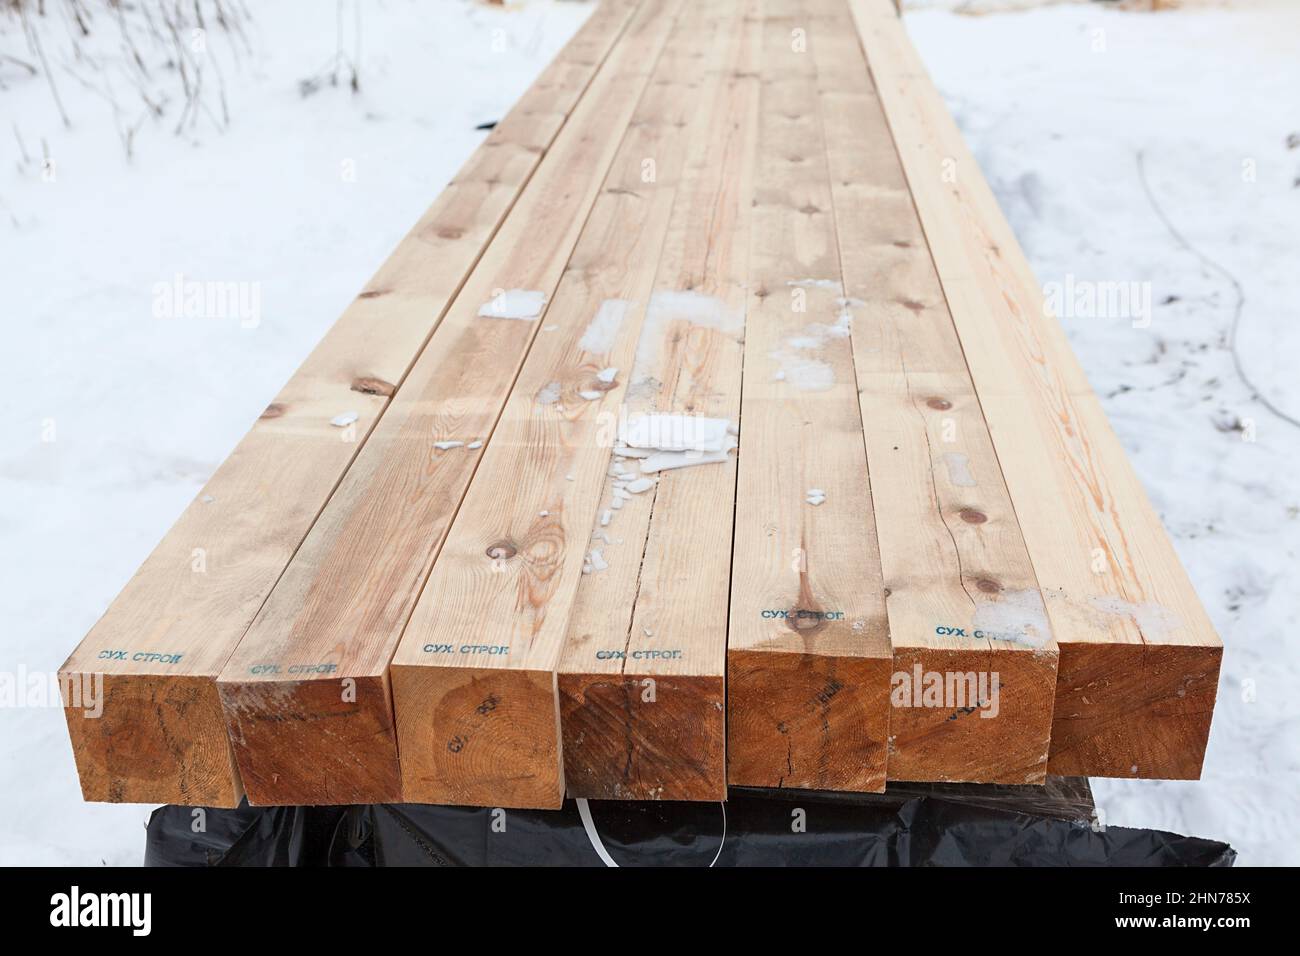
<point x="1256" y="394"/>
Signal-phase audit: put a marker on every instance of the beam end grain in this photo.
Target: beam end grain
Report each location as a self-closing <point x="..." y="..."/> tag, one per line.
<point x="940" y="731"/>
<point x="832" y="713"/>
<point x="150" y="738"/>
<point x="318" y="742"/>
<point x="1134" y="710"/>
<point x="636" y="737"/>
<point x="483" y="737"/>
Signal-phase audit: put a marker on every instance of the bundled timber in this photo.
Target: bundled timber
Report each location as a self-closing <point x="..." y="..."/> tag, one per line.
<point x="808" y="656"/>
<point x="160" y="645"/>
<point x="512" y="565"/>
<point x="1139" y="659"/>
<point x="307" y="693"/>
<point x="707" y="430"/>
<point x="642" y="675"/>
<point x="974" y="660"/>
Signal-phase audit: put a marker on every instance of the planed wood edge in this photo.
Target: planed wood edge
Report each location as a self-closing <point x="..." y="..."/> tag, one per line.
<point x="503" y="725"/>
<point x="999" y="734"/>
<point x="343" y="604"/>
<point x="351" y="367"/>
<point x="1129" y="710"/>
<point x="831" y="713"/>
<point x="644" y="736"/>
<point x="122" y="758"/>
<point x="1075" y="491"/>
<point x="316" y="742"/>
<point x="806" y="576"/>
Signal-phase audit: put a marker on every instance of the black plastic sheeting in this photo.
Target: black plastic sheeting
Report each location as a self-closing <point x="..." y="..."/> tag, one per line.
<point x="908" y="826"/>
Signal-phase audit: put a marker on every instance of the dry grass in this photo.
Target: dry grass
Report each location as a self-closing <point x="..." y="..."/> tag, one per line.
<point x="147" y="60"/>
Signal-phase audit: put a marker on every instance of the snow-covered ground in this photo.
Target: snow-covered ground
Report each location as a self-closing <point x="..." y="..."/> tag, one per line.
<point x="116" y="417"/>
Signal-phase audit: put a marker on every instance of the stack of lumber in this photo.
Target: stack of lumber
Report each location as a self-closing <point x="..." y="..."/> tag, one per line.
<point x="707" y="429"/>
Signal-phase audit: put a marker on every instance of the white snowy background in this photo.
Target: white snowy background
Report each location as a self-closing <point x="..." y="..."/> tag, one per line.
<point x="1056" y="101"/>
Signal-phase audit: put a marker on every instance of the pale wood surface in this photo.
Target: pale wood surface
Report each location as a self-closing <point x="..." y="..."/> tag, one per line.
<point x="1139" y="657"/>
<point x="513" y="561"/>
<point x="953" y="556"/>
<point x="161" y="738"/>
<point x="756" y="211"/>
<point x="327" y="735"/>
<point x="642" y="676"/>
<point x="808" y="652"/>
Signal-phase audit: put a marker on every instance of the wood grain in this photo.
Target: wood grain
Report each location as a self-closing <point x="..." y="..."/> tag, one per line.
<point x="642" y="676"/>
<point x="1138" y="655"/>
<point x="316" y="658"/>
<point x="808" y="657"/>
<point x="512" y="564"/>
<point x="955" y="564"/>
<point x="161" y="738"/>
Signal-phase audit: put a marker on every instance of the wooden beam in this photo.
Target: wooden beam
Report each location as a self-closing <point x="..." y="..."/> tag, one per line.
<point x="642" y="677"/>
<point x="307" y="694"/>
<point x="512" y="565"/>
<point x="808" y="660"/>
<point x="967" y="707"/>
<point x="160" y="645"/>
<point x="1139" y="659"/>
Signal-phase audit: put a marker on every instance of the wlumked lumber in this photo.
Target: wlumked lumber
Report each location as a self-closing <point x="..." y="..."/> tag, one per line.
<point x="808" y="659"/>
<point x="161" y="643"/>
<point x="307" y="693"/>
<point x="642" y="676"/>
<point x="974" y="660"/>
<point x="1139" y="659"/>
<point x="482" y="728"/>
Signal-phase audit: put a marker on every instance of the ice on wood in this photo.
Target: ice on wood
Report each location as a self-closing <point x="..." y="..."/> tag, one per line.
<point x="523" y="304"/>
<point x="674" y="432"/>
<point x="833" y="284"/>
<point x="602" y="332"/>
<point x="799" y="360"/>
<point x="959" y="472"/>
<point x="669" y="460"/>
<point x="1016" y="616"/>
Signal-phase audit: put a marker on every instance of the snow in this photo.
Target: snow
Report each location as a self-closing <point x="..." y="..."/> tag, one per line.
<point x="525" y="304"/>
<point x="301" y="199"/>
<point x="116" y="416"/>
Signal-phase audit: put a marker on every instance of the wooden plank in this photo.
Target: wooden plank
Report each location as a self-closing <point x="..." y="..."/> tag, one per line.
<point x="966" y="707"/>
<point x="161" y="737"/>
<point x="808" y="660"/>
<point x="1139" y="658"/>
<point x="481" y="728"/>
<point x="306" y="694"/>
<point x="642" y="677"/>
